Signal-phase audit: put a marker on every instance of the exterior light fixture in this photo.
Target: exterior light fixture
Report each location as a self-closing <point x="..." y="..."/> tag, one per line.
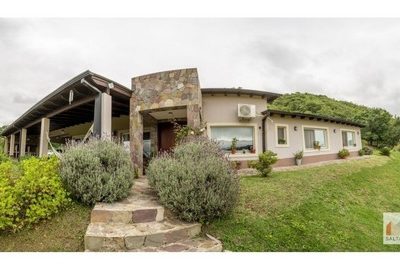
<point x="295" y="128"/>
<point x="71" y="96"/>
<point x="334" y="130"/>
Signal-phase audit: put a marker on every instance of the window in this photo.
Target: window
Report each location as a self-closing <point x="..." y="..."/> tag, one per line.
<point x="349" y="138"/>
<point x="224" y="135"/>
<point x="282" y="135"/>
<point x="315" y="138"/>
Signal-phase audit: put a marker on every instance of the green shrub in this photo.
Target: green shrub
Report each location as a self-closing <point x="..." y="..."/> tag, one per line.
<point x="8" y="201"/>
<point x="40" y="189"/>
<point x="367" y="150"/>
<point x="97" y="171"/>
<point x="343" y="154"/>
<point x="397" y="147"/>
<point x="385" y="151"/>
<point x="30" y="190"/>
<point x="4" y="158"/>
<point x="195" y="181"/>
<point x="252" y="164"/>
<point x="361" y="152"/>
<point x="265" y="162"/>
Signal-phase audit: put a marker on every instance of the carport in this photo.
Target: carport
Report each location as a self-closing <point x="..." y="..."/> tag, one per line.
<point x="87" y="104"/>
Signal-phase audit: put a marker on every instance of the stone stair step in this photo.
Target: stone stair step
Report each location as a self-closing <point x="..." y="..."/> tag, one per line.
<point x="120" y="237"/>
<point x="198" y="244"/>
<point x="126" y="213"/>
<point x="137" y="208"/>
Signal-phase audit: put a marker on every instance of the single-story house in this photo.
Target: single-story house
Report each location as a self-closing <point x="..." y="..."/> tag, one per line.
<point x="141" y="116"/>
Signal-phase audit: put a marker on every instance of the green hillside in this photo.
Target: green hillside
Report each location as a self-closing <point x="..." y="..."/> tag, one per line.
<point x="382" y="128"/>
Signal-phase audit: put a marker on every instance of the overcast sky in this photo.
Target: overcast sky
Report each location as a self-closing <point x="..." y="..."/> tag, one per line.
<point x="352" y="59"/>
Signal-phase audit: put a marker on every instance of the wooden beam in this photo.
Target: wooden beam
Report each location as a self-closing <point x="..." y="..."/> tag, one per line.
<point x="63" y="109"/>
<point x="105" y="85"/>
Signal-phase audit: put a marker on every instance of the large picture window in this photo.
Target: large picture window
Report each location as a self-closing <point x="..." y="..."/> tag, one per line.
<point x="349" y="138"/>
<point x="315" y="138"/>
<point x="224" y="135"/>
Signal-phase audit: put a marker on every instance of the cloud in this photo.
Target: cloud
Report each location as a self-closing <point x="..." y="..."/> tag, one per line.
<point x="23" y="99"/>
<point x="349" y="59"/>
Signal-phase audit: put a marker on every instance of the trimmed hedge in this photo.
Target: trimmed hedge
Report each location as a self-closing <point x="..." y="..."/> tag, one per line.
<point x="30" y="190"/>
<point x="195" y="181"/>
<point x="97" y="171"/>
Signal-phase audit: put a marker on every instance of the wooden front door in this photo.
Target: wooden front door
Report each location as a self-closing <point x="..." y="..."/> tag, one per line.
<point x="166" y="136"/>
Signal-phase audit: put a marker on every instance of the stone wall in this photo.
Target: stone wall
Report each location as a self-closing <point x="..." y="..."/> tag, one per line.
<point x="161" y="91"/>
<point x="167" y="89"/>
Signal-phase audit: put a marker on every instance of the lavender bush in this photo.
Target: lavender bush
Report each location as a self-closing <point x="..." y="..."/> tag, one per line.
<point x="97" y="171"/>
<point x="195" y="181"/>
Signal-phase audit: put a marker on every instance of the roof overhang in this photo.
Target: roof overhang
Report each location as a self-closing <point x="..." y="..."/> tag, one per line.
<point x="300" y="115"/>
<point x="269" y="96"/>
<point x="85" y="87"/>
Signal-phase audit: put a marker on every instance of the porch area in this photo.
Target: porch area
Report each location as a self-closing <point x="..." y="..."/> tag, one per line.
<point x="88" y="104"/>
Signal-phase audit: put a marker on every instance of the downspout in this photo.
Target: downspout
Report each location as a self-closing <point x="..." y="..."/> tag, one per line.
<point x="263" y="132"/>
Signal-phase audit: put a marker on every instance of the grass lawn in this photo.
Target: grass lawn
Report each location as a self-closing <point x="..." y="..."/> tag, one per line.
<point x="336" y="207"/>
<point x="63" y="232"/>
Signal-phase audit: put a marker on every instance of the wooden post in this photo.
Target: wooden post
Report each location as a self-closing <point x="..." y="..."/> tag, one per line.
<point x="106" y="116"/>
<point x="102" y="116"/>
<point x="12" y="145"/>
<point x="44" y="131"/>
<point x="22" y="142"/>
<point x="5" y="145"/>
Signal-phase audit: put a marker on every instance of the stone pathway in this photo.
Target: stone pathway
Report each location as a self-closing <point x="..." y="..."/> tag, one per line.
<point x="140" y="223"/>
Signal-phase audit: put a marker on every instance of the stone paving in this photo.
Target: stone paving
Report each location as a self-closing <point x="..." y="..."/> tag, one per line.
<point x="140" y="223"/>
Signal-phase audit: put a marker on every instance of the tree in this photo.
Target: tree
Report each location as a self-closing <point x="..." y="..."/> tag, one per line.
<point x="378" y="126"/>
<point x="382" y="129"/>
<point x="392" y="136"/>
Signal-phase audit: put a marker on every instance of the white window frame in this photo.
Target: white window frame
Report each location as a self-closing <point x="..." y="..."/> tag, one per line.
<point x="255" y="136"/>
<point x="355" y="138"/>
<point x="315" y="127"/>
<point x="286" y="126"/>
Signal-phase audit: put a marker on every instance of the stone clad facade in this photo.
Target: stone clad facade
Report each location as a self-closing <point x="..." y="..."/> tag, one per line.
<point x="165" y="90"/>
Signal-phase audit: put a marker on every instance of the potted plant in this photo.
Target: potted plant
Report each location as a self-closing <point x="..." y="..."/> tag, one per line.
<point x="298" y="156"/>
<point x="317" y="145"/>
<point x="252" y="149"/>
<point x="233" y="145"/>
<point x="281" y="142"/>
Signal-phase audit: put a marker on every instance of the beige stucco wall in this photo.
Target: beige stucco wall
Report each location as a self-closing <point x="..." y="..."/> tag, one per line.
<point x="223" y="110"/>
<point x="296" y="139"/>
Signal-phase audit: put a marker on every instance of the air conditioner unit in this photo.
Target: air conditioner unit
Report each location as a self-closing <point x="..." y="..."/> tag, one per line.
<point x="246" y="111"/>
